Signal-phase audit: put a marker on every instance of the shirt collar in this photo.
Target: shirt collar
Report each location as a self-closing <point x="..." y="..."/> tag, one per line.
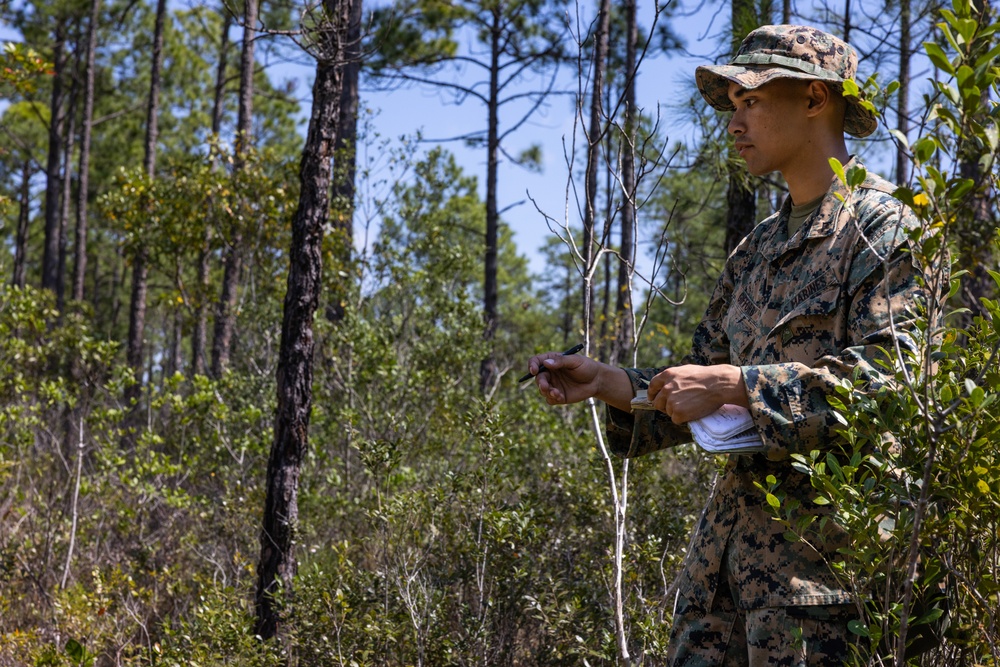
<point x="822" y="223"/>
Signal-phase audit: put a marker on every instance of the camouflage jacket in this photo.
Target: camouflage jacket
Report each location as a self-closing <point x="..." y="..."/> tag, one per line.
<point x="798" y="315"/>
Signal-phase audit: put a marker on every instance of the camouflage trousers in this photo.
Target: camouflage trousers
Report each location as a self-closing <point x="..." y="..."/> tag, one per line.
<point x="727" y="636"/>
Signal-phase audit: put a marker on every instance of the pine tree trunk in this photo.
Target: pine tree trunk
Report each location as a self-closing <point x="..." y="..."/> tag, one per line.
<point x="903" y="94"/>
<point x="66" y="200"/>
<point x="53" y="184"/>
<point x="346" y="160"/>
<point x="80" y="235"/>
<point x="23" y="216"/>
<point x="488" y="373"/>
<point x="623" y="301"/>
<point x="847" y="20"/>
<point x="741" y="196"/>
<point x="199" y="333"/>
<point x="140" y="259"/>
<point x="225" y="320"/>
<point x="594" y="141"/>
<point x="295" y="371"/>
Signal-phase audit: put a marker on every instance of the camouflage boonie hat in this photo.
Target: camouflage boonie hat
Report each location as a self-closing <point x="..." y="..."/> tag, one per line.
<point x="788" y="52"/>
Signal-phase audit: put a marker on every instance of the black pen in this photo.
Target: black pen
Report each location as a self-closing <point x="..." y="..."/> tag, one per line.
<point x="572" y="350"/>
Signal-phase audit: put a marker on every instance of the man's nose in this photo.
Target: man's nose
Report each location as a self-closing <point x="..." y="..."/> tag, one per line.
<point x="735" y="126"/>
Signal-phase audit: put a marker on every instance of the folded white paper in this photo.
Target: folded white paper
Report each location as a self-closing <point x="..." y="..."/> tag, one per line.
<point x="728" y="430"/>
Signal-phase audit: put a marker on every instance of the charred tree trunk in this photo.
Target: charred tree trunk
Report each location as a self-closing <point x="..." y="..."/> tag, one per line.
<point x="295" y="371"/>
<point x="199" y="334"/>
<point x="23" y="216"/>
<point x="626" y="262"/>
<point x="903" y="95"/>
<point x="225" y="320"/>
<point x="66" y="200"/>
<point x="741" y="195"/>
<point x="488" y="367"/>
<point x="346" y="160"/>
<point x="53" y="184"/>
<point x="140" y="258"/>
<point x="80" y="235"/>
<point x="595" y="134"/>
<point x="847" y="20"/>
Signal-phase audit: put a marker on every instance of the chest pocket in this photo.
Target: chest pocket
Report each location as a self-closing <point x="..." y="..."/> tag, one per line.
<point x="808" y="325"/>
<point x="743" y="324"/>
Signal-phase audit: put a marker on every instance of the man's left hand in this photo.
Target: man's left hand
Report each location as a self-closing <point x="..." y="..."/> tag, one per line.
<point x="690" y="392"/>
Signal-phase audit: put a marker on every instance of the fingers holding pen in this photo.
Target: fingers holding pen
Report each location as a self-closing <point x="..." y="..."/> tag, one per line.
<point x="549" y="370"/>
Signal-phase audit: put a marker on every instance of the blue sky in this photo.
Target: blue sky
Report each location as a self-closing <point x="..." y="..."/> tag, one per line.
<point x="662" y="82"/>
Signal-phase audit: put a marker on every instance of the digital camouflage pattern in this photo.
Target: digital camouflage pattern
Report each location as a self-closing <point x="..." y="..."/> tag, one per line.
<point x="762" y="637"/>
<point x="788" y="52"/>
<point x="799" y="315"/>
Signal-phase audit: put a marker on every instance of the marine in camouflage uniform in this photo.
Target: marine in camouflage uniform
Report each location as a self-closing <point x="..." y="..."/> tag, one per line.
<point x="797" y="314"/>
<point x="793" y="315"/>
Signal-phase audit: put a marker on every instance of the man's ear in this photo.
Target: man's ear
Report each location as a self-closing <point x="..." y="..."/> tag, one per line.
<point x="818" y="94"/>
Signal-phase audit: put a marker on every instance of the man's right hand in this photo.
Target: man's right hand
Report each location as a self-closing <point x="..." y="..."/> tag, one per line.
<point x="573" y="378"/>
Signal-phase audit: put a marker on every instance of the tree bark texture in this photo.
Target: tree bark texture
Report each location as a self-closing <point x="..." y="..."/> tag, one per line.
<point x="623" y="300"/>
<point x="295" y="371"/>
<point x="346" y="159"/>
<point x="225" y="320"/>
<point x="66" y="200"/>
<point x="23" y="216"/>
<point x="53" y="185"/>
<point x="488" y="367"/>
<point x="80" y="235"/>
<point x="140" y="258"/>
<point x="199" y="333"/>
<point x="741" y="196"/>
<point x="903" y="94"/>
<point x="594" y="141"/>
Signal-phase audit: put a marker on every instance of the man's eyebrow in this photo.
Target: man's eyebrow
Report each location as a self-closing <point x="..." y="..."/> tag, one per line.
<point x="737" y="94"/>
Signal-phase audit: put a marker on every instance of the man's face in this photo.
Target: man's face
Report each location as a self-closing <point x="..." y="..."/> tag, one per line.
<point x="769" y="125"/>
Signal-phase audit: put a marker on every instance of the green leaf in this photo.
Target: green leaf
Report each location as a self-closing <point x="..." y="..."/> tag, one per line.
<point x="856" y="176"/>
<point x="75" y="651"/>
<point x="929" y="617"/>
<point x="772" y="500"/>
<point x="901" y="138"/>
<point x="801" y="467"/>
<point x="838" y="169"/>
<point x="821" y="500"/>
<point x="988" y="59"/>
<point x="961" y="188"/>
<point x="938" y="57"/>
<point x="858" y="628"/>
<point x="963" y="74"/>
<point x="924" y="149"/>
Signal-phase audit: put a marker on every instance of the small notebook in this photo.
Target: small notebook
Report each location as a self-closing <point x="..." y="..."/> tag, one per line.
<point x="728" y="430"/>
